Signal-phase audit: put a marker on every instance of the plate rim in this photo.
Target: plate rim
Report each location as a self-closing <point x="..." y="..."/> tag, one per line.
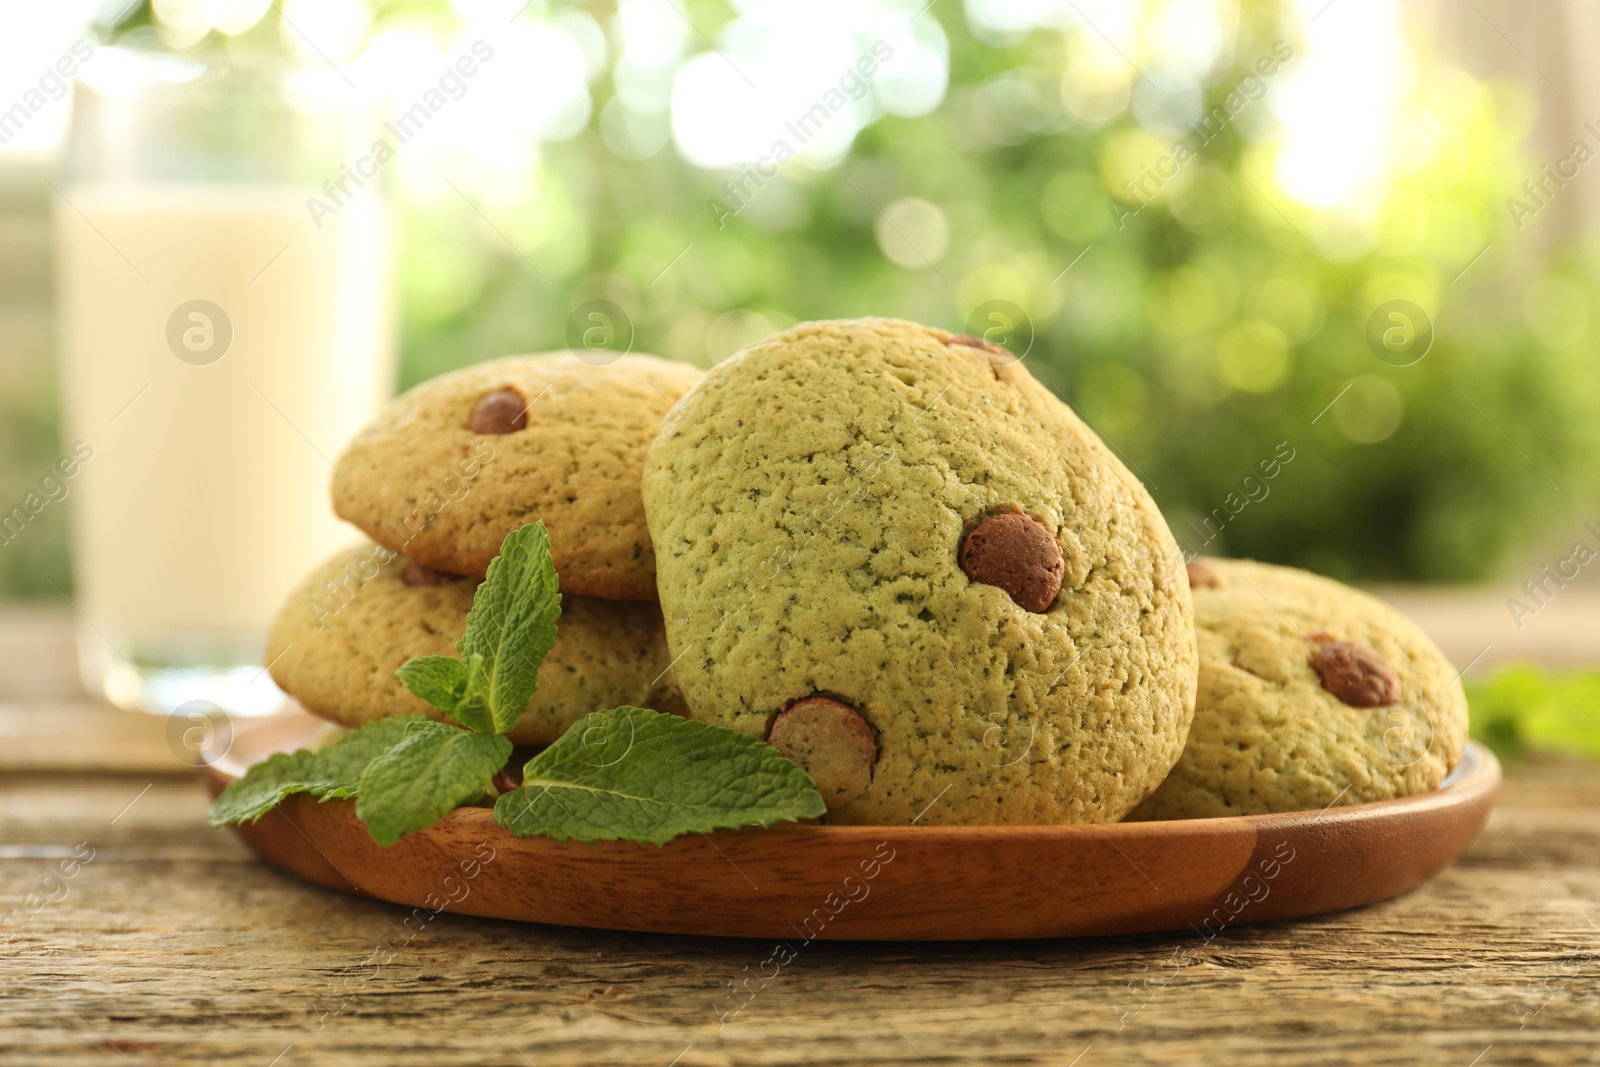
<point x="954" y="883"/>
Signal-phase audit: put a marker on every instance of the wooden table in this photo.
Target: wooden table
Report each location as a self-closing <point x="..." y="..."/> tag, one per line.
<point x="169" y="944"/>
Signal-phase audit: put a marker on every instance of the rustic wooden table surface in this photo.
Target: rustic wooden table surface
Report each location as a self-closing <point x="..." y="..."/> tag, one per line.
<point x="132" y="934"/>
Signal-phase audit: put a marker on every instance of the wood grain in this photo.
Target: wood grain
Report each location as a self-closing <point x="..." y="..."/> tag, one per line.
<point x="174" y="946"/>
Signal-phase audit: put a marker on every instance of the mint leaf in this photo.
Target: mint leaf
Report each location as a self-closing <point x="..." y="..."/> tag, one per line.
<point x="442" y="681"/>
<point x="635" y="775"/>
<point x="434" y="769"/>
<point x="511" y="627"/>
<point x="326" y="773"/>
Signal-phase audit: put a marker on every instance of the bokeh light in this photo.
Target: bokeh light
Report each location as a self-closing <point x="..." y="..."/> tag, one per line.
<point x="1197" y="242"/>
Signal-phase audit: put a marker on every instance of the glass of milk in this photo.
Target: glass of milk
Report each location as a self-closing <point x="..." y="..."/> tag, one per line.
<point x="226" y="325"/>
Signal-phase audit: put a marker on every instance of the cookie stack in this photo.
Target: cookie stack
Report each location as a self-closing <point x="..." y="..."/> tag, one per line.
<point x="891" y="553"/>
<point x="437" y="480"/>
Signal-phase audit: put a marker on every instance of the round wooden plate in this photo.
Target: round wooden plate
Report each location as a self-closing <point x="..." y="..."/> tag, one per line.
<point x="903" y="883"/>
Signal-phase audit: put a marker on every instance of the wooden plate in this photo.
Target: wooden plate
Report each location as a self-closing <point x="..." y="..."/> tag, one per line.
<point x="796" y="883"/>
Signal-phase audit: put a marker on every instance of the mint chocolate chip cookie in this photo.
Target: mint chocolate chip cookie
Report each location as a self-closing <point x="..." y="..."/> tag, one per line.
<point x="341" y="635"/>
<point x="890" y="552"/>
<point x="444" y="472"/>
<point x="1311" y="694"/>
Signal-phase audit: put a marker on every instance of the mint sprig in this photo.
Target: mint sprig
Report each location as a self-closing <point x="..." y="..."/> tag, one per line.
<point x="639" y="775"/>
<point x="434" y="769"/>
<point x="409" y="781"/>
<point x="624" y="774"/>
<point x="510" y="629"/>
<point x="327" y="774"/>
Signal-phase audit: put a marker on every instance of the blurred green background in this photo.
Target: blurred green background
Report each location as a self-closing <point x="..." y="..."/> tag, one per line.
<point x="999" y="158"/>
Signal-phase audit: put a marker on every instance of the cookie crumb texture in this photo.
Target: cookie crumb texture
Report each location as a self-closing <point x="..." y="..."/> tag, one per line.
<point x="339" y="638"/>
<point x="422" y="480"/>
<point x="808" y="502"/>
<point x="1269" y="734"/>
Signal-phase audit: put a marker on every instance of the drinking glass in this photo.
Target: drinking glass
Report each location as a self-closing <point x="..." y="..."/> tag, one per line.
<point x="226" y="323"/>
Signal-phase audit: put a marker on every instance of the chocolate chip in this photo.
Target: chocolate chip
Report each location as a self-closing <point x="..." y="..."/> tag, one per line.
<point x="832" y="742"/>
<point x="1238" y="666"/>
<point x="419" y="574"/>
<point x="502" y="411"/>
<point x="506" y="779"/>
<point x="509" y="777"/>
<point x="1202" y="575"/>
<point x="1018" y="554"/>
<point x="1356" y="674"/>
<point x="976" y="342"/>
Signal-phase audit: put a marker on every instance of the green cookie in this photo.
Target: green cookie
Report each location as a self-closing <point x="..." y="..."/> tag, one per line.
<point x="1311" y="694"/>
<point x="340" y="636"/>
<point x="966" y="610"/>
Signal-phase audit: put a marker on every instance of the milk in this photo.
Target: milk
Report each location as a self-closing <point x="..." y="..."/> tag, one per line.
<point x="206" y="499"/>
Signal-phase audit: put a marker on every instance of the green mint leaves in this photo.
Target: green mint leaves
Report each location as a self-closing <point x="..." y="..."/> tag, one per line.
<point x="510" y="630"/>
<point x="442" y="682"/>
<point x="407" y="772"/>
<point x="435" y="769"/>
<point x="626" y="774"/>
<point x="638" y="775"/>
<point x="512" y="625"/>
<point x="326" y="774"/>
